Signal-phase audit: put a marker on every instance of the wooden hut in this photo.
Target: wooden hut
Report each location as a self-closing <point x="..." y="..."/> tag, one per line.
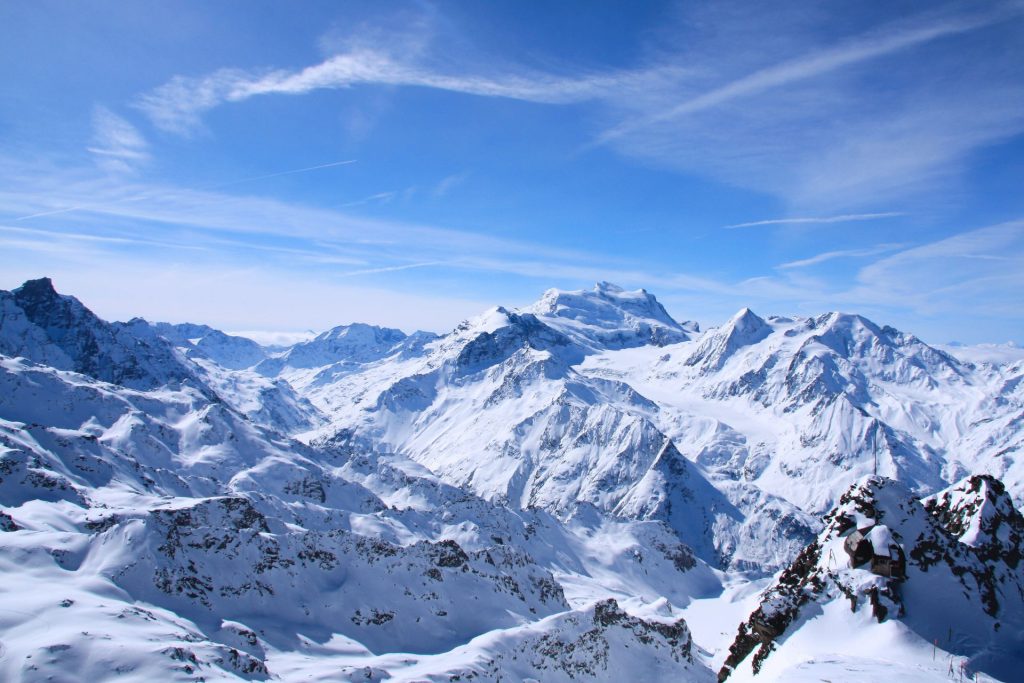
<point x="876" y="545"/>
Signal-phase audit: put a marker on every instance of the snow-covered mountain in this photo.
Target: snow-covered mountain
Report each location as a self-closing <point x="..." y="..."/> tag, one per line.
<point x="573" y="490"/>
<point x="228" y="351"/>
<point x="590" y="396"/>
<point x="800" y="408"/>
<point x="609" y="317"/>
<point x="41" y="325"/>
<point x="38" y="324"/>
<point x="242" y="544"/>
<point x="500" y="406"/>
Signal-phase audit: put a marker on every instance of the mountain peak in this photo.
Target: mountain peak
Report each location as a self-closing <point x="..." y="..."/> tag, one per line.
<point x="60" y="330"/>
<point x="608" y="316"/>
<point x="39" y="295"/>
<point x="56" y="313"/>
<point x="746" y="321"/>
<point x="980" y="513"/>
<point x="609" y="287"/>
<point x="744" y="329"/>
<point x="852" y="324"/>
<point x="40" y="287"/>
<point x="363" y="332"/>
<point x="886" y="553"/>
<point x="355" y="343"/>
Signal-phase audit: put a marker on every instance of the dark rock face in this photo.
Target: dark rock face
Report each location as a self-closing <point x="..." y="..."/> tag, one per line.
<point x="522" y="330"/>
<point x="607" y="613"/>
<point x="962" y="544"/>
<point x="7" y="523"/>
<point x="779" y="608"/>
<point x="980" y="513"/>
<point x="24" y="476"/>
<point x="448" y="554"/>
<point x="58" y="330"/>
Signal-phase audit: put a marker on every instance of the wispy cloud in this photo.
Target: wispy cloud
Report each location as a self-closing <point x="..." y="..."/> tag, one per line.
<point x="791" y="110"/>
<point x="48" y="237"/>
<point x="231" y="224"/>
<point x="845" y="218"/>
<point x="839" y="254"/>
<point x="448" y="183"/>
<point x="148" y="193"/>
<point x="893" y="113"/>
<point x="278" y="174"/>
<point x="117" y="145"/>
<point x="872" y="45"/>
<point x="375" y="198"/>
<point x="233" y="231"/>
<point x="392" y="269"/>
<point x="976" y="271"/>
<point x="178" y="105"/>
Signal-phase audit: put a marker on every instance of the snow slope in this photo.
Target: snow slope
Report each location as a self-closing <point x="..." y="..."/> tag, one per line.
<point x="175" y="538"/>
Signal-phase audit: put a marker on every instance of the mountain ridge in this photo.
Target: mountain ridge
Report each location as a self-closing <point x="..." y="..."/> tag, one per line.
<point x="545" y="490"/>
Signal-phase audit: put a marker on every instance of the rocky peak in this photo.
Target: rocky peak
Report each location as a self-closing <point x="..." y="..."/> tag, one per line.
<point x="980" y="513"/>
<point x="49" y="310"/>
<point x="47" y="327"/>
<point x="500" y="333"/>
<point x="980" y="590"/>
<point x="39" y="289"/>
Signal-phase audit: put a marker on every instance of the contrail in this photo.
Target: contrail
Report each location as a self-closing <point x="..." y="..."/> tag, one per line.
<point x="281" y="173"/>
<point x="51" y="213"/>
<point x="822" y="219"/>
<point x="198" y="189"/>
<point x="390" y="269"/>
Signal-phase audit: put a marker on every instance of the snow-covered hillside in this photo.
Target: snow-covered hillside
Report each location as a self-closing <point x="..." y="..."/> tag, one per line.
<point x="581" y="489"/>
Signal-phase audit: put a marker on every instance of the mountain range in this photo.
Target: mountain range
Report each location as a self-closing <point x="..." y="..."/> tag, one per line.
<point x="572" y="490"/>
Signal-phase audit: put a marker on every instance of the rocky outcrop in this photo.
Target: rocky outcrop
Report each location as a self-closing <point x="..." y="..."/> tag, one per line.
<point x="958" y="545"/>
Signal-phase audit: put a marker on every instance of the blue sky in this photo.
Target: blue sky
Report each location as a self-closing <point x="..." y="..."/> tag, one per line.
<point x="288" y="166"/>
